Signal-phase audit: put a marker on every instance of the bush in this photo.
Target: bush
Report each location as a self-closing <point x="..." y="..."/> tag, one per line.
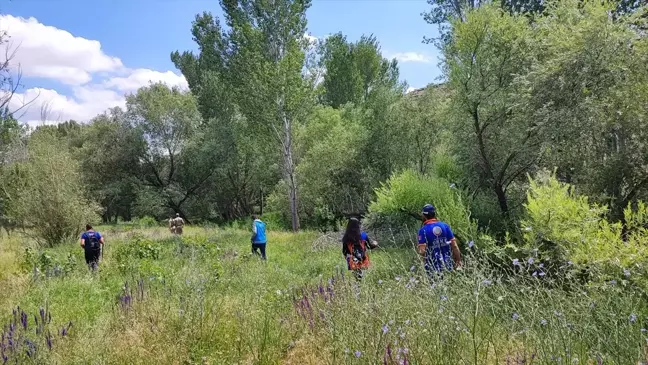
<point x="566" y="228"/>
<point x="51" y="199"/>
<point x="406" y="193"/>
<point x="148" y="222"/>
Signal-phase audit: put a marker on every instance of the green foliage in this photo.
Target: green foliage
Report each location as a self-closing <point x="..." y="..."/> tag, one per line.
<point x="51" y="198"/>
<point x="42" y="265"/>
<point x="147" y="222"/>
<point x="406" y="194"/>
<point x="495" y="141"/>
<point x="137" y="254"/>
<point x="564" y="226"/>
<point x="589" y="91"/>
<point x="109" y="156"/>
<point x="354" y="71"/>
<point x="210" y="302"/>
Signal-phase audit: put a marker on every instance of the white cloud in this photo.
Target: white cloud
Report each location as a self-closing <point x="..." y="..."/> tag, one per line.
<point x="45" y="51"/>
<point x="410" y="57"/>
<point x="141" y="77"/>
<point x="98" y="81"/>
<point x="48" y="104"/>
<point x="409" y="90"/>
<point x="312" y="40"/>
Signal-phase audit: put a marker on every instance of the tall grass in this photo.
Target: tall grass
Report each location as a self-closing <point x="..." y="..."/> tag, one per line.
<point x="204" y="299"/>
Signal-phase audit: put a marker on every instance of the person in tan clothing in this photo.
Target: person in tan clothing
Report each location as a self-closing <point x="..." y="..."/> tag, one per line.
<point x="171" y="225"/>
<point x="178" y="223"/>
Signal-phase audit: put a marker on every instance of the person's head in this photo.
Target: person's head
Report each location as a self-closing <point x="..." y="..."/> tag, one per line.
<point x="353" y="232"/>
<point x="429" y="211"/>
<point x="177" y="214"/>
<point x="88" y="227"/>
<point x="255" y="217"/>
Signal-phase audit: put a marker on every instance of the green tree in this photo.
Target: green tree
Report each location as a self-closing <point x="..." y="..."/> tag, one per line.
<point x="256" y="68"/>
<point x="495" y="141"/>
<point x="355" y="70"/>
<point x="173" y="162"/>
<point x="423" y="131"/>
<point x="110" y="155"/>
<point x="591" y="88"/>
<point x="333" y="181"/>
<point x="50" y="198"/>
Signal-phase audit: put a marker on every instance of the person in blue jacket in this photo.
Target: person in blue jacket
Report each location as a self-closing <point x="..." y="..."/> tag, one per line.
<point x="437" y="243"/>
<point x="259" y="239"/>
<point x="92" y="242"/>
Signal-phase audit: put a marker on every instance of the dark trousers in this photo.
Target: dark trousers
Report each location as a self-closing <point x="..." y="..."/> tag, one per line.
<point x="92" y="258"/>
<point x="260" y="247"/>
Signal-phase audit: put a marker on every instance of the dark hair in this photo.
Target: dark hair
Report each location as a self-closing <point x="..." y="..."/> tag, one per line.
<point x="88" y="227"/>
<point x="254" y="217"/>
<point x="352" y="233"/>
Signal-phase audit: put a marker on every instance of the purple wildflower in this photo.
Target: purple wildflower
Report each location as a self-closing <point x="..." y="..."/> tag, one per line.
<point x="357" y="353"/>
<point x="542" y="273"/>
<point x="515" y="316"/>
<point x="385" y="329"/>
<point x="530" y="260"/>
<point x="543" y="322"/>
<point x="380" y="281"/>
<point x="413" y="268"/>
<point x="626" y="272"/>
<point x="516" y="262"/>
<point x="471" y="244"/>
<point x="612" y="282"/>
<point x="48" y="337"/>
<point x="535" y="273"/>
<point x="487" y="282"/>
<point x="632" y="318"/>
<point x="23" y="319"/>
<point x="444" y="297"/>
<point x="398" y="278"/>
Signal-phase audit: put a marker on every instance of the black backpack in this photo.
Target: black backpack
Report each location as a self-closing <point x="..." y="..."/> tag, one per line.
<point x="92" y="241"/>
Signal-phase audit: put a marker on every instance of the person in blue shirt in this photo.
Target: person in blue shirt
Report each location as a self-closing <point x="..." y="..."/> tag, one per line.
<point x="259" y="239"/>
<point x="92" y="242"/>
<point x="437" y="243"/>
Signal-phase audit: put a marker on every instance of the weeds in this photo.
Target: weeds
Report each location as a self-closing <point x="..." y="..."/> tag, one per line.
<point x="201" y="299"/>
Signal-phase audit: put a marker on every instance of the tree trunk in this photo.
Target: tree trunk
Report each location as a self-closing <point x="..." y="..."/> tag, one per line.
<point x="502" y="200"/>
<point x="291" y="177"/>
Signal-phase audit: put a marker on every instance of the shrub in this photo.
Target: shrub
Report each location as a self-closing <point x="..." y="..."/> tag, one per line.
<point x="565" y="227"/>
<point x="148" y="222"/>
<point x="43" y="265"/>
<point x="406" y="193"/>
<point x="130" y="255"/>
<point x="51" y="198"/>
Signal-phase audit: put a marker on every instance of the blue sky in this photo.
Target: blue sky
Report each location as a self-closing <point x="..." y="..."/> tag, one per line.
<point x="136" y="37"/>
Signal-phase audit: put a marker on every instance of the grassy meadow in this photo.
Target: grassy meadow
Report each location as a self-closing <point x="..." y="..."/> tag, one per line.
<point x="202" y="299"/>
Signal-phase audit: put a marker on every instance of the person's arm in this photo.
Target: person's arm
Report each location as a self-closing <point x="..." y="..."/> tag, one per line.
<point x="370" y="243"/>
<point x="422" y="242"/>
<point x="83" y="240"/>
<point x="101" y="239"/>
<point x="456" y="253"/>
